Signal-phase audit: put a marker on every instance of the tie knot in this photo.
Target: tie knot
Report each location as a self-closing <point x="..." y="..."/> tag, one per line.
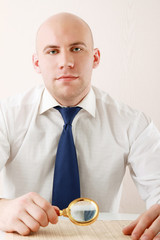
<point x="68" y="113"/>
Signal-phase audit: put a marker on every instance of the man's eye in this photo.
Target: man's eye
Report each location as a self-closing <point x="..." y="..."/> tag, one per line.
<point x="77" y="49"/>
<point x="53" y="52"/>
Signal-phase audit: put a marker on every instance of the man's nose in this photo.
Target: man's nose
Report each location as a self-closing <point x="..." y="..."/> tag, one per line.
<point x="66" y="61"/>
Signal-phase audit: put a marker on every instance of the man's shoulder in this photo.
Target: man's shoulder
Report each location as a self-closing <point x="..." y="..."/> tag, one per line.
<point x="22" y="106"/>
<point x="108" y="101"/>
<point x="28" y="97"/>
<point x="112" y="105"/>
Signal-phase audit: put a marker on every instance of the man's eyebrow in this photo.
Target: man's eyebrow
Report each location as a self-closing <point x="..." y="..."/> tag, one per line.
<point x="72" y="44"/>
<point x="78" y="43"/>
<point x="50" y="46"/>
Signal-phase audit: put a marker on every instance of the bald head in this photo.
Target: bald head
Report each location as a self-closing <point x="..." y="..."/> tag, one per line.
<point x="63" y="25"/>
<point x="65" y="57"/>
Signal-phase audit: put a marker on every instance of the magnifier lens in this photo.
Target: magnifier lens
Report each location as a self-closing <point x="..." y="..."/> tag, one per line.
<point x="81" y="211"/>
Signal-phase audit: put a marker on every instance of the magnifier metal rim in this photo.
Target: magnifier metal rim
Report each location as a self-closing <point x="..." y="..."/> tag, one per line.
<point x="85" y="223"/>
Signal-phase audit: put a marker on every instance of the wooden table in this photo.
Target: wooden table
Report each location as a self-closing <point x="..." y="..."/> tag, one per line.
<point x="66" y="230"/>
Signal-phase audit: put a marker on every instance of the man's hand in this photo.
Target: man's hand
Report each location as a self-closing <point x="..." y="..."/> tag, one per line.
<point x="26" y="214"/>
<point x="147" y="226"/>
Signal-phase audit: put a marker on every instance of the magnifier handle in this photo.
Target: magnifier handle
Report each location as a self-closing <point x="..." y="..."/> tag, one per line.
<point x="60" y="212"/>
<point x="64" y="212"/>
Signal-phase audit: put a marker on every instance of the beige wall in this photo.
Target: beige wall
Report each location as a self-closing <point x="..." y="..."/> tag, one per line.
<point x="126" y="31"/>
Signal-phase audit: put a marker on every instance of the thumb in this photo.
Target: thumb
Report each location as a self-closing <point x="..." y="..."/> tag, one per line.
<point x="57" y="210"/>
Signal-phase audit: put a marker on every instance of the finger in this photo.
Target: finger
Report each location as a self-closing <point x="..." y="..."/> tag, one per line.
<point x="127" y="230"/>
<point x="53" y="214"/>
<point x="152" y="231"/>
<point x="157" y="237"/>
<point x="38" y="214"/>
<point x="30" y="222"/>
<point x="47" y="207"/>
<point x="21" y="228"/>
<point x="57" y="210"/>
<point x="144" y="222"/>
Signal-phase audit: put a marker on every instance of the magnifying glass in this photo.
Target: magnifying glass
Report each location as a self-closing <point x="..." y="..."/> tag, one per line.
<point x="81" y="211"/>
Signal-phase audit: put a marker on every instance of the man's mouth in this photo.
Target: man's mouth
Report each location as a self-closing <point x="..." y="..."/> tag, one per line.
<point x="67" y="78"/>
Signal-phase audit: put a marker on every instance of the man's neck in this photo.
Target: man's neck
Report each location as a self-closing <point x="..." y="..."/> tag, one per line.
<point x="71" y="102"/>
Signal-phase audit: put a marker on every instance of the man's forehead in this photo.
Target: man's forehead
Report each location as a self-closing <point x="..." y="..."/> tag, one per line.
<point x="58" y="30"/>
<point x="57" y="39"/>
<point x="67" y="29"/>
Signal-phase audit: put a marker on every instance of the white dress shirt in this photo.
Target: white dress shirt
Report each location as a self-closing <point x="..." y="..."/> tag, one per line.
<point x="108" y="136"/>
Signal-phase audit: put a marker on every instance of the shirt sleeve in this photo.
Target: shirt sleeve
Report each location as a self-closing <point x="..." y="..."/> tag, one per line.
<point x="144" y="159"/>
<point x="4" y="142"/>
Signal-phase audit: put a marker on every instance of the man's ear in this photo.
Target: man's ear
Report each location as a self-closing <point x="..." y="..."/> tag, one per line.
<point x="96" y="57"/>
<point x="35" y="62"/>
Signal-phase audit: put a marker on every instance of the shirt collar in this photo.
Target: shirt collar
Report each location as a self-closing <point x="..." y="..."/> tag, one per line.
<point x="48" y="102"/>
<point x="89" y="103"/>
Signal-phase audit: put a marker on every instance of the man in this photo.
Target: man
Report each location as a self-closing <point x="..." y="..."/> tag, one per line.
<point x="107" y="135"/>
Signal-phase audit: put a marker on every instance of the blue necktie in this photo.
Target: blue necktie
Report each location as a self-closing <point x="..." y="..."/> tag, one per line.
<point x="66" y="185"/>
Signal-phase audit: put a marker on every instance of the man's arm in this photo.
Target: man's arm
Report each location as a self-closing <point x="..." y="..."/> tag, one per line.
<point x="26" y="214"/>
<point x="147" y="226"/>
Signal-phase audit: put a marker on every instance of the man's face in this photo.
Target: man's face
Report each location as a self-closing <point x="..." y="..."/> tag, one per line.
<point x="66" y="59"/>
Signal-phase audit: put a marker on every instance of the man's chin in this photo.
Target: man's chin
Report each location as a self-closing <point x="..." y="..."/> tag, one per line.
<point x="68" y="98"/>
